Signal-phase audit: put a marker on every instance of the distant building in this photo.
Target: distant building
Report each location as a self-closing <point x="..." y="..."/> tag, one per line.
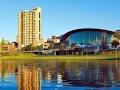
<point x="56" y="39"/>
<point x="51" y="42"/>
<point x="118" y="31"/>
<point x="90" y="37"/>
<point x="46" y="45"/>
<point x="9" y="47"/>
<point x="86" y="41"/>
<point x="29" y="28"/>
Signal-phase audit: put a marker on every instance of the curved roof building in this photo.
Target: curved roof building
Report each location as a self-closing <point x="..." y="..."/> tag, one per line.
<point x="88" y="36"/>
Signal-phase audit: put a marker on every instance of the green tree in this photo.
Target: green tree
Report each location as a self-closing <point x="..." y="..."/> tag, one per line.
<point x="3" y="41"/>
<point x="2" y="45"/>
<point x="62" y="46"/>
<point x="40" y="47"/>
<point x="27" y="48"/>
<point x="115" y="43"/>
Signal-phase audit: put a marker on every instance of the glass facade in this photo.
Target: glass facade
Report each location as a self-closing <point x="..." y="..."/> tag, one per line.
<point x="89" y="38"/>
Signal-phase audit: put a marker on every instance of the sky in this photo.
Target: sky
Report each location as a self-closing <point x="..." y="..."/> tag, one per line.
<point x="61" y="16"/>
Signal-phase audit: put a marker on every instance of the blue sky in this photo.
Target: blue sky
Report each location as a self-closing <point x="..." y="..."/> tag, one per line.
<point x="60" y="16"/>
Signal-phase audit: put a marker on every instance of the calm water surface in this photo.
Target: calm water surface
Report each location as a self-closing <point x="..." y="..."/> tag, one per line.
<point x="59" y="75"/>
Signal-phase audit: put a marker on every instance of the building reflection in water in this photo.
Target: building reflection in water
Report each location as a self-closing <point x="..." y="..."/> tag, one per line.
<point x="28" y="78"/>
<point x="84" y="73"/>
<point x="96" y="73"/>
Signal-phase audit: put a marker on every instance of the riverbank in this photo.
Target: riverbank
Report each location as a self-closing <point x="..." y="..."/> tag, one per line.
<point x="26" y="56"/>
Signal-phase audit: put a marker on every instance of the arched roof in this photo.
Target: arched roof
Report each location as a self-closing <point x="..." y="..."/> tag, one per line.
<point x="64" y="37"/>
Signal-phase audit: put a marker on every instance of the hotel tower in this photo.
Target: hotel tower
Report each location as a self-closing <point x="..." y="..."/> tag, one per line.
<point x="29" y="28"/>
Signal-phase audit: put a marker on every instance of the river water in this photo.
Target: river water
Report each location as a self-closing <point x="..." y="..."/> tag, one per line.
<point x="59" y="75"/>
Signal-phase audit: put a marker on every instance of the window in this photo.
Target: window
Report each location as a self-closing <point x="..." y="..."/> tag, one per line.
<point x="39" y="14"/>
<point x="39" y="25"/>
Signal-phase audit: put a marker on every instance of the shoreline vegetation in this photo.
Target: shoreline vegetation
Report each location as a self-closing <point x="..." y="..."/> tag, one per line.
<point x="28" y="56"/>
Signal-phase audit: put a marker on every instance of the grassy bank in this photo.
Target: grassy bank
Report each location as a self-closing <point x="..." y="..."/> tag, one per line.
<point x="64" y="57"/>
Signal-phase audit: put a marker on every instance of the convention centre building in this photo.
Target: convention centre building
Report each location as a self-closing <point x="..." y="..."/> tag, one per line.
<point x="90" y="37"/>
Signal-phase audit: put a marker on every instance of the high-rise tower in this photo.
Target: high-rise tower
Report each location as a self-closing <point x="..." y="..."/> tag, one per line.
<point x="29" y="28"/>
